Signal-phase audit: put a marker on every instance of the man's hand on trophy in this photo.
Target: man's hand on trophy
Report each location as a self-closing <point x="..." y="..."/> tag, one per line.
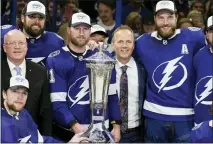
<point x="78" y="128"/>
<point x="92" y="45"/>
<point x="77" y="138"/>
<point x="116" y="132"/>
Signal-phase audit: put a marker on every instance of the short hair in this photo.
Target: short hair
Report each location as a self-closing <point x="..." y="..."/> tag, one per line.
<point x="109" y="3"/>
<point x="184" y="20"/>
<point x="122" y="27"/>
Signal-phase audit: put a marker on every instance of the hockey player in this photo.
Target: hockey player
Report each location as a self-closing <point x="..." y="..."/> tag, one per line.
<point x="69" y="82"/>
<point x="40" y="43"/>
<point x="203" y="97"/>
<point x="167" y="55"/>
<point x="17" y="125"/>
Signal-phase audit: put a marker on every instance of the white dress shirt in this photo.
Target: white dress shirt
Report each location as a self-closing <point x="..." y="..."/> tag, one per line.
<point x="133" y="94"/>
<point x="13" y="71"/>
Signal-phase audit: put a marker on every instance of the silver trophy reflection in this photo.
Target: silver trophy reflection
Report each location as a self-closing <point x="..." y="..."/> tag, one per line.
<point x="100" y="67"/>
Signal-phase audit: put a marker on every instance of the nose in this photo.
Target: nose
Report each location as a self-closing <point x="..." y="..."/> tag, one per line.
<point x="81" y="31"/>
<point x="17" y="45"/>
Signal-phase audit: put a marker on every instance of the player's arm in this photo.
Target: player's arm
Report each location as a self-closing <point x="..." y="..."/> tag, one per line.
<point x="58" y="93"/>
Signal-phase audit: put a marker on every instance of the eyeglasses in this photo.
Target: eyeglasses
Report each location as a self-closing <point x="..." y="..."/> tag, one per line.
<point x="13" y="44"/>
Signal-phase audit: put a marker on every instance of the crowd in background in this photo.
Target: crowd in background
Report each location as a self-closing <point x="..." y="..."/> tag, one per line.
<point x="137" y="14"/>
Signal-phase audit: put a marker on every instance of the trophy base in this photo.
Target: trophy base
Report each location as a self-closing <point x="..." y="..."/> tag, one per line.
<point x="98" y="136"/>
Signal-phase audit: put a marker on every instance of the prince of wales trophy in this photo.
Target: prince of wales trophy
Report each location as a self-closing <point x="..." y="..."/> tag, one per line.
<point x="100" y="68"/>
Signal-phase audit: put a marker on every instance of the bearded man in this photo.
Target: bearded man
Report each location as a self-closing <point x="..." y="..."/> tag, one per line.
<point x="69" y="84"/>
<point x="167" y="55"/>
<point x="40" y="43"/>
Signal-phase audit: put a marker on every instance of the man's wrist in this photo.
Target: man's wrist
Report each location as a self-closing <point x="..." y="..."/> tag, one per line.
<point x="116" y="122"/>
<point x="72" y="123"/>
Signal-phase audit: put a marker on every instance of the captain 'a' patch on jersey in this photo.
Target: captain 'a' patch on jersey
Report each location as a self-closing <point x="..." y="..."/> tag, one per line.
<point x="203" y="91"/>
<point x="78" y="91"/>
<point x="168" y="70"/>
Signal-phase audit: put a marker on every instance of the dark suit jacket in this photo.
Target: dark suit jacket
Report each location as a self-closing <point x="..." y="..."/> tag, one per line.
<point x="142" y="77"/>
<point x="38" y="102"/>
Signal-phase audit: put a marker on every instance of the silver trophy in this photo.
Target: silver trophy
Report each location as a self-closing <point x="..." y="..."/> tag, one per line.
<point x="100" y="68"/>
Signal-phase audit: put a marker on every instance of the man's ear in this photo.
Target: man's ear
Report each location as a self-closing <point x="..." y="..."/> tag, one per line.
<point x="4" y="94"/>
<point x="22" y="18"/>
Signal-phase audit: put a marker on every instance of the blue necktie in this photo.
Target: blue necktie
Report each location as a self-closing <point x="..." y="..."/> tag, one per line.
<point x="18" y="70"/>
<point x="124" y="99"/>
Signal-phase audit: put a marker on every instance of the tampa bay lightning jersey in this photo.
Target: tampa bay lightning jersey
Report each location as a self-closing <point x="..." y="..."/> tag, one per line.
<point x="171" y="79"/>
<point x="203" y="132"/>
<point x="39" y="48"/>
<point x="203" y="97"/>
<point x="69" y="84"/>
<point x="20" y="128"/>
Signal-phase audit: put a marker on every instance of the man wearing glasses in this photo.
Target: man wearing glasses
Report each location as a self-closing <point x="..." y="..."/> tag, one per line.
<point x="38" y="102"/>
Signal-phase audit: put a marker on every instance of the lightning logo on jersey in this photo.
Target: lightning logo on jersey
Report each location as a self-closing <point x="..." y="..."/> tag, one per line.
<point x="82" y="87"/>
<point x="203" y="90"/>
<point x="167" y="73"/>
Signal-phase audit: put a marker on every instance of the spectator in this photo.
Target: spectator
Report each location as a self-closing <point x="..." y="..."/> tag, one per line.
<point x="68" y="75"/>
<point x="167" y="55"/>
<point x="148" y="24"/>
<point x="133" y="20"/>
<point x="198" y="5"/>
<point x="106" y="10"/>
<point x="98" y="34"/>
<point x="7" y="16"/>
<point x="40" y="43"/>
<point x="134" y="6"/>
<point x="203" y="101"/>
<point x="209" y="10"/>
<point x="130" y="80"/>
<point x="17" y="125"/>
<point x="184" y="23"/>
<point x="59" y="16"/>
<point x="38" y="104"/>
<point x="197" y="19"/>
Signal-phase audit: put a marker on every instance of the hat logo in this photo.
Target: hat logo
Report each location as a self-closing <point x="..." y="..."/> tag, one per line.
<point x="37" y="6"/>
<point x="165" y="3"/>
<point x="19" y="80"/>
<point x="81" y="17"/>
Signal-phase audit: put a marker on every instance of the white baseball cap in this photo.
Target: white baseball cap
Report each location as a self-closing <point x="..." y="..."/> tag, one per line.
<point x="35" y="7"/>
<point x="99" y="29"/>
<point x="79" y="18"/>
<point x="210" y="22"/>
<point x="165" y="5"/>
<point x="18" y="81"/>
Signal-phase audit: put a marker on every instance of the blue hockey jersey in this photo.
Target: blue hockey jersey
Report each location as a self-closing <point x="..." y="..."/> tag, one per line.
<point x="204" y="80"/>
<point x="69" y="84"/>
<point x="39" y="48"/>
<point x="21" y="129"/>
<point x="203" y="132"/>
<point x="169" y="64"/>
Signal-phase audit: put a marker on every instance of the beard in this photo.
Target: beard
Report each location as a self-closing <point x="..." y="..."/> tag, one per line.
<point x="168" y="34"/>
<point x="77" y="42"/>
<point x="15" y="108"/>
<point x="33" y="32"/>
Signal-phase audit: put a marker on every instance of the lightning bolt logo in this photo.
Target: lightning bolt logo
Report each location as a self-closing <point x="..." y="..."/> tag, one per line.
<point x="168" y="71"/>
<point x="207" y="91"/>
<point x="83" y="92"/>
<point x="170" y="67"/>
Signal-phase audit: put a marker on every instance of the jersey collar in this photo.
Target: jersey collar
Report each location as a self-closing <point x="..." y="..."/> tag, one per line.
<point x="155" y="34"/>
